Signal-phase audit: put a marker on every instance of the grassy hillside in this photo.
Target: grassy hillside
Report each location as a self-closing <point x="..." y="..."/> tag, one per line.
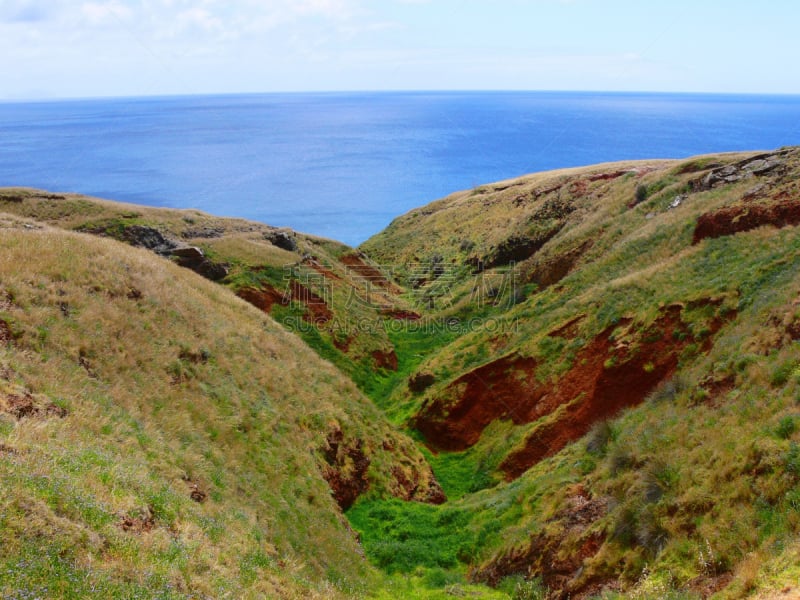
<point x="600" y="365"/>
<point x="630" y="411"/>
<point x="318" y="288"/>
<point x="160" y="437"/>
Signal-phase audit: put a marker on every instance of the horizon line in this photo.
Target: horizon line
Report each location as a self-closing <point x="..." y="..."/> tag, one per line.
<point x="45" y="99"/>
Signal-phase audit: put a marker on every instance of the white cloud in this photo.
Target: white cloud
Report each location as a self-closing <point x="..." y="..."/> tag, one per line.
<point x="103" y="13"/>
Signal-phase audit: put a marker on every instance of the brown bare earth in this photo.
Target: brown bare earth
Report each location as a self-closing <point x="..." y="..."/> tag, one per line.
<point x="385" y="359"/>
<point x="606" y="377"/>
<point x="737" y="219"/>
<point x="25" y="405"/>
<point x="362" y="269"/>
<point x="263" y="299"/>
<point x="498" y="390"/>
<point x="317" y="311"/>
<point x="561" y="573"/>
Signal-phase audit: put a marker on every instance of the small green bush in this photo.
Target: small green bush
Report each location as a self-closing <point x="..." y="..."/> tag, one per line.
<point x="599" y="437"/>
<point x="786" y="427"/>
<point x="641" y="193"/>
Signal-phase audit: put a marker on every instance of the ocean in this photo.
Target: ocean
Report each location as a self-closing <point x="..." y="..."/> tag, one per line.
<point x="343" y="165"/>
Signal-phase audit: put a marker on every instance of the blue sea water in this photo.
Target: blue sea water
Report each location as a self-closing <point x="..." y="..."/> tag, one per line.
<point x="343" y="165"/>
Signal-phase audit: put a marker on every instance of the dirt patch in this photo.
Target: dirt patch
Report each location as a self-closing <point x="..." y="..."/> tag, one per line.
<point x="737" y="219"/>
<point x="542" y="556"/>
<point x="320" y="268"/>
<point x="706" y="586"/>
<point x="6" y="335"/>
<point x="412" y="489"/>
<point x="608" y="176"/>
<point x="568" y="330"/>
<point x="343" y="344"/>
<point x="518" y="248"/>
<point x="358" y="266"/>
<point x="401" y="315"/>
<point x="85" y="363"/>
<point x="264" y="298"/>
<point x="25" y="405"/>
<point x="4" y="449"/>
<point x="716" y="388"/>
<point x="420" y="382"/>
<point x="317" y="310"/>
<point x="501" y="389"/>
<point x="140" y="523"/>
<point x="385" y="359"/>
<point x="346" y="468"/>
<point x="607" y="377"/>
<point x="551" y="270"/>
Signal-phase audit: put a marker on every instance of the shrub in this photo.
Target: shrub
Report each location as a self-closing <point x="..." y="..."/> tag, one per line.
<point x="668" y="390"/>
<point x="599" y="437"/>
<point x="620" y="459"/>
<point x="781" y="374"/>
<point x="786" y="427"/>
<point x="641" y="194"/>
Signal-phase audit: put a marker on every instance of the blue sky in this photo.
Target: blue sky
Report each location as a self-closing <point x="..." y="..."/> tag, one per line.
<point x="77" y="48"/>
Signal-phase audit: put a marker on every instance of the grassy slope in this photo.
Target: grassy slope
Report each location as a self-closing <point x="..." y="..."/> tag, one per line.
<point x="691" y="492"/>
<point x="253" y="262"/>
<point x="699" y="484"/>
<point x="170" y="385"/>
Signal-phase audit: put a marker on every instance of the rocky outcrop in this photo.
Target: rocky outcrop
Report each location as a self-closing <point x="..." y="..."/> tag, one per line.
<point x="193" y="258"/>
<point x="142" y="236"/>
<point x="759" y="165"/>
<point x="281" y="239"/>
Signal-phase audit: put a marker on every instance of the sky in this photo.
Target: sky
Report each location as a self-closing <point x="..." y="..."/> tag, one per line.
<point x="98" y="48"/>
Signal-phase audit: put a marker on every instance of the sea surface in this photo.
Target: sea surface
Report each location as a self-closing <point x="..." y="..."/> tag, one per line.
<point x="343" y="165"/>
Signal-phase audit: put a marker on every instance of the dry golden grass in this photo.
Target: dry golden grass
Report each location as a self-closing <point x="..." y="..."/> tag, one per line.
<point x="170" y="383"/>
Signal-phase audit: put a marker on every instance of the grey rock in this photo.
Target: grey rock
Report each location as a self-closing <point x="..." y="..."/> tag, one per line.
<point x="281" y="239"/>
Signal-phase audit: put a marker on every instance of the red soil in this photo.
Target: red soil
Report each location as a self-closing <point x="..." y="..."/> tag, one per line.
<point x="401" y="315"/>
<point x="736" y="219"/>
<point x="607" y="176"/>
<point x="499" y="390"/>
<point x="346" y="468"/>
<point x="385" y="360"/>
<point x="315" y="305"/>
<point x="263" y="299"/>
<point x="604" y="380"/>
<point x="568" y="330"/>
<point x="317" y="310"/>
<point x="321" y="269"/>
<point x="541" y="557"/>
<point x="360" y="268"/>
<point x="606" y="377"/>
